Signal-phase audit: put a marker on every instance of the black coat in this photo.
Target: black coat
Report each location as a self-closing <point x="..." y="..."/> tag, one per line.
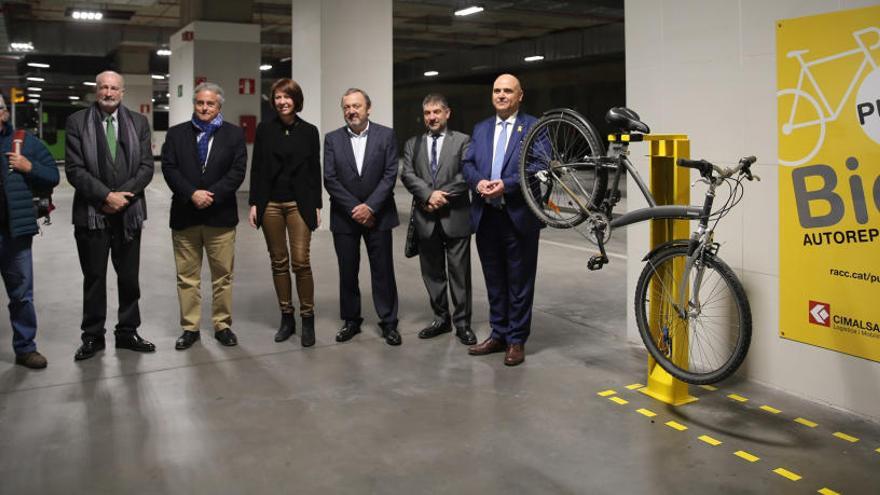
<point x="301" y="151"/>
<point x="225" y="171"/>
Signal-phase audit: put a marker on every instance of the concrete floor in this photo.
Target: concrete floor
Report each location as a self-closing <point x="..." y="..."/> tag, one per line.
<point x="363" y="417"/>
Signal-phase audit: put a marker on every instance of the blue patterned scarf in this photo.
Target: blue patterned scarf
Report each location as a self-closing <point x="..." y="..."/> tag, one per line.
<point x="207" y="129"/>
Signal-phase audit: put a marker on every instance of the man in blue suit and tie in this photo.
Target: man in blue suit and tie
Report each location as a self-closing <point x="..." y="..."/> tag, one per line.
<point x="507" y="231"/>
<point x="360" y="169"/>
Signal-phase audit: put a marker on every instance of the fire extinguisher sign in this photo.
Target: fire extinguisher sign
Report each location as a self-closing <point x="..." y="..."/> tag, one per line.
<point x="246" y="86"/>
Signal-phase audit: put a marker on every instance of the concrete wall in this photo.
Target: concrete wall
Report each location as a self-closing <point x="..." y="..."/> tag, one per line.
<point x="707" y="68"/>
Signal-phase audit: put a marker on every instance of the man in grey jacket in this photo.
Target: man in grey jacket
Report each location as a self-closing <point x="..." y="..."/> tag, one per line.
<point x="432" y="173"/>
<point x="109" y="162"/>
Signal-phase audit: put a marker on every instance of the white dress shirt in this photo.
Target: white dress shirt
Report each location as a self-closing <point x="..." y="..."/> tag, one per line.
<point x="359" y="146"/>
<point x="511" y="121"/>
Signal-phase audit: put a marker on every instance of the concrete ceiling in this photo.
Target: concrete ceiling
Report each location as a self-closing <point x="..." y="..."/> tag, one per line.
<point x="426" y="33"/>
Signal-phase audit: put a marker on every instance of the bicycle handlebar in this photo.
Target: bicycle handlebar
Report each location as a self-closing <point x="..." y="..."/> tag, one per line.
<point x="705" y="168"/>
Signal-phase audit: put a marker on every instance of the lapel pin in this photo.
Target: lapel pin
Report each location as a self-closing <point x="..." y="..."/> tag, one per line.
<point x="519" y="129"/>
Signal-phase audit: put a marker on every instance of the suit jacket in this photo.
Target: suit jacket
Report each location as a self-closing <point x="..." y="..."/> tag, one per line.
<point x="224" y="173"/>
<point x="416" y="176"/>
<point x="301" y="150"/>
<point x="374" y="186"/>
<point x="477" y="166"/>
<point x="94" y="181"/>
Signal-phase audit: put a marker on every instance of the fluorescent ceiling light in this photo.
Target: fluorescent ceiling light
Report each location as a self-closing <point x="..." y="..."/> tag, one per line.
<point x="38" y="65"/>
<point x="468" y="10"/>
<point x="32" y="100"/>
<point x="86" y="15"/>
<point x="285" y="59"/>
<point x="534" y="58"/>
<point x="74" y="98"/>
<point x="21" y="47"/>
<point x="35" y="79"/>
<point x="431" y="73"/>
<point x="90" y="83"/>
<point x="163" y="52"/>
<point x="158" y="77"/>
<point x="265" y="67"/>
<point x="35" y="89"/>
<point x="33" y="95"/>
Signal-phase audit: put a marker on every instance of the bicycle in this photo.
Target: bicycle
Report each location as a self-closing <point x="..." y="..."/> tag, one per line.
<point x="816" y="115"/>
<point x="689" y="303"/>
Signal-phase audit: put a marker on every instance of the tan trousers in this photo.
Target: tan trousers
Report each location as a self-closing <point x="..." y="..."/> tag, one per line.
<point x="282" y="223"/>
<point x="219" y="244"/>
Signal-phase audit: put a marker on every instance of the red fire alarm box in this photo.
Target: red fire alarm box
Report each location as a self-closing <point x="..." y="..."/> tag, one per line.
<point x="248" y="124"/>
<point x="246" y="86"/>
<point x="187" y="36"/>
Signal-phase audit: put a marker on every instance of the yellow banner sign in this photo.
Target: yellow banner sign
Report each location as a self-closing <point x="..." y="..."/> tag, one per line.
<point x="828" y="76"/>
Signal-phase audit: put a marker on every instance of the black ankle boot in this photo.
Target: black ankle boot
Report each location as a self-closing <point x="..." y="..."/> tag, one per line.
<point x="307" y="338"/>
<point x="287" y="328"/>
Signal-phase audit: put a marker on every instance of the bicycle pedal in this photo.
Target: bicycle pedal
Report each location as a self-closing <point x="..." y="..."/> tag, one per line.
<point x="596" y="262"/>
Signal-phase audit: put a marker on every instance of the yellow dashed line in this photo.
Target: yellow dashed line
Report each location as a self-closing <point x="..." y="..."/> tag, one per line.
<point x="646" y="412"/>
<point x="785" y="473"/>
<point x="738" y="398"/>
<point x="606" y="393"/>
<point x="710" y="388"/>
<point x="618" y="400"/>
<point x="771" y="410"/>
<point x="806" y="422"/>
<point x="711" y="441"/>
<point x="680" y="427"/>
<point x="828" y="491"/>
<point x="745" y="455"/>
<point x="634" y="386"/>
<point x="844" y="436"/>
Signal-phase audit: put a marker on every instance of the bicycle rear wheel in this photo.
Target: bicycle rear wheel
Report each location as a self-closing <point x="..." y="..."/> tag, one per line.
<point x="554" y="170"/>
<point x="711" y="340"/>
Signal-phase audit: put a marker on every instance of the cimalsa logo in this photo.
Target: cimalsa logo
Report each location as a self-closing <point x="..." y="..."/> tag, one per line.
<point x="820" y="313"/>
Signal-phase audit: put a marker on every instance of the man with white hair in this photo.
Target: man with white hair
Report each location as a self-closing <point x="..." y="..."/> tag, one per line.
<point x="204" y="161"/>
<point x="109" y="162"/>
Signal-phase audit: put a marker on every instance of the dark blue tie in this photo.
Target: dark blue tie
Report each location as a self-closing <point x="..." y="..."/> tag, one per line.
<point x="434" y="156"/>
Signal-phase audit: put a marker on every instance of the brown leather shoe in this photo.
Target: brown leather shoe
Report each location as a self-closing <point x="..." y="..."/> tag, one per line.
<point x="515" y="354"/>
<point x="488" y="346"/>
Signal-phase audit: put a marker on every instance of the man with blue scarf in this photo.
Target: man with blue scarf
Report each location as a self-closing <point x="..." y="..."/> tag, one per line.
<point x="24" y="167"/>
<point x="108" y="159"/>
<point x="204" y="162"/>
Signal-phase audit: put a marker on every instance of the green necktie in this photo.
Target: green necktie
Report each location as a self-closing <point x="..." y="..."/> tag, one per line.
<point x="111" y="137"/>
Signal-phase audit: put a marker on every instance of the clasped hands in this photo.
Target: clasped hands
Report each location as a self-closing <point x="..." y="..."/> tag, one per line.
<point x="437" y="200"/>
<point x="116" y="201"/>
<point x="202" y="198"/>
<point x="363" y="215"/>
<point x="490" y="189"/>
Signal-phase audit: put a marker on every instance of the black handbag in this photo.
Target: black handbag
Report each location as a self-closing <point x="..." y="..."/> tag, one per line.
<point x="411" y="248"/>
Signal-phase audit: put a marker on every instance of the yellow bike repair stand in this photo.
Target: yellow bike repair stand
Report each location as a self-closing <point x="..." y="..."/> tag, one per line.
<point x="670" y="184"/>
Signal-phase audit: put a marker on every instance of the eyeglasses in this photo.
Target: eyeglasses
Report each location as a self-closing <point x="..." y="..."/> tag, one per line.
<point x="2" y="108"/>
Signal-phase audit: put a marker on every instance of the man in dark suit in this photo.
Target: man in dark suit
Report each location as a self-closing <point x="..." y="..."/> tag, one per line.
<point x="360" y="169"/>
<point x="109" y="162"/>
<point x="432" y="173"/>
<point x="507" y="231"/>
<point x="204" y="161"/>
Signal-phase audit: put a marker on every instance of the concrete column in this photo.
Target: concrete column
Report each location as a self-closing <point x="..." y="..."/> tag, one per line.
<point x="223" y="53"/>
<point x="338" y="44"/>
<point x="138" y="97"/>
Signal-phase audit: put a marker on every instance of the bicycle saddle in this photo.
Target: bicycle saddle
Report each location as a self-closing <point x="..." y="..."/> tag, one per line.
<point x="626" y="120"/>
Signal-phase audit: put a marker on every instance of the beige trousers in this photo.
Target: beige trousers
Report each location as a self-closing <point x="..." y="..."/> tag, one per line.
<point x="219" y="244"/>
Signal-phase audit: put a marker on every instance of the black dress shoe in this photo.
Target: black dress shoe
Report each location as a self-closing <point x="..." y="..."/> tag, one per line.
<point x="186" y="340"/>
<point x="226" y="337"/>
<point x="437" y="327"/>
<point x="391" y="335"/>
<point x="307" y="337"/>
<point x="348" y="330"/>
<point x="90" y="345"/>
<point x="287" y="328"/>
<point x="466" y="335"/>
<point x="132" y="341"/>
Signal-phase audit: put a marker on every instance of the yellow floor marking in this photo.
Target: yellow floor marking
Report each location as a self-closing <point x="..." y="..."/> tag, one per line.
<point x="710" y="388"/>
<point x="771" y="410"/>
<point x="785" y="473"/>
<point x="844" y="436"/>
<point x="634" y="386"/>
<point x="680" y="427"/>
<point x="606" y="393"/>
<point x="711" y="441"/>
<point x="745" y="455"/>
<point x="618" y="400"/>
<point x="646" y="412"/>
<point x="738" y="398"/>
<point x="828" y="491"/>
<point x="806" y="422"/>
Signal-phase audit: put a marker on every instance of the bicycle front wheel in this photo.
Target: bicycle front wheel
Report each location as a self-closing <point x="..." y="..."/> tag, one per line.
<point x="702" y="337"/>
<point x="558" y="180"/>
